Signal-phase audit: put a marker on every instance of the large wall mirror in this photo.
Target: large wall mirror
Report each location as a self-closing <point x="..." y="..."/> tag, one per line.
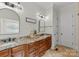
<point x="41" y="26"/>
<point x="9" y="21"/>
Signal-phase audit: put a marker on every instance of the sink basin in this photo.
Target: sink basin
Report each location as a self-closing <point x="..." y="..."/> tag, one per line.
<point x="32" y="37"/>
<point x="42" y="34"/>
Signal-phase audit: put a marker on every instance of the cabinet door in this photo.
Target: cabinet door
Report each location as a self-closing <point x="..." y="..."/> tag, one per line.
<point x="18" y="54"/>
<point x="48" y="42"/>
<point x="5" y="53"/>
<point x="45" y="44"/>
<point x="33" y="49"/>
<point x="26" y="50"/>
<point x="18" y="51"/>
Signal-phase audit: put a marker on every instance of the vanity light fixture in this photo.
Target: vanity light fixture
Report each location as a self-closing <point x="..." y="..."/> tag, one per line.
<point x="42" y="17"/>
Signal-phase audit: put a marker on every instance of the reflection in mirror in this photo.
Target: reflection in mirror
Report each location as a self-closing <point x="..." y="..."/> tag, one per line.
<point x="9" y="22"/>
<point x="41" y="26"/>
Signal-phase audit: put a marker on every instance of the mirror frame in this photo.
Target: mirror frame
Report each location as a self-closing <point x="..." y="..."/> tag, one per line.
<point x="39" y="26"/>
<point x="19" y="21"/>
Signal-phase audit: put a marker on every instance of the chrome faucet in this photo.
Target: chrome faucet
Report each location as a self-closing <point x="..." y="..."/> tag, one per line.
<point x="8" y="40"/>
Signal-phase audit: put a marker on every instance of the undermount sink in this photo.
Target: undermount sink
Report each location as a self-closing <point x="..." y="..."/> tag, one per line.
<point x="42" y="34"/>
<point x="32" y="37"/>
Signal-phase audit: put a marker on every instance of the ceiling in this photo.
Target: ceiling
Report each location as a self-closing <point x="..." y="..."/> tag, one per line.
<point x="45" y="5"/>
<point x="61" y="4"/>
<point x="48" y="5"/>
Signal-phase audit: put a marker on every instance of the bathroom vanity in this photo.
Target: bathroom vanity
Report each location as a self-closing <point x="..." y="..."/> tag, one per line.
<point x="26" y="47"/>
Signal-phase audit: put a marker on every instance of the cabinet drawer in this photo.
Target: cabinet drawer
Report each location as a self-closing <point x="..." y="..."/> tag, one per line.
<point x="34" y="45"/>
<point x="42" y="41"/>
<point x="16" y="49"/>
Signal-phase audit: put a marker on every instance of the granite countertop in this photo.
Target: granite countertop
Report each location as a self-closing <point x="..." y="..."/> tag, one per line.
<point x="20" y="41"/>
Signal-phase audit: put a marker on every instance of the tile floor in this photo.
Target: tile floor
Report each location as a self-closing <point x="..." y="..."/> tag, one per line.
<point x="61" y="52"/>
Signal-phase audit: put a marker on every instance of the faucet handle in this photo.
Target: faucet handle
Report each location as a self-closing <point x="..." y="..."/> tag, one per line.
<point x="9" y="39"/>
<point x="13" y="39"/>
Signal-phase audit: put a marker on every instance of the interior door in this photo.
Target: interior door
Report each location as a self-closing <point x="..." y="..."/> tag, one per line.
<point x="66" y="30"/>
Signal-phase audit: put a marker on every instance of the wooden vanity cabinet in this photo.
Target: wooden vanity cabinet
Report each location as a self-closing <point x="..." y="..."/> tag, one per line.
<point x="18" y="51"/>
<point x="34" y="49"/>
<point x="38" y="48"/>
<point x="5" y="53"/>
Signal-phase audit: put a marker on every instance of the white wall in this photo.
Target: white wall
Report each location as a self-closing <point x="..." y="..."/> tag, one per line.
<point x="49" y="21"/>
<point x="55" y="26"/>
<point x="30" y="10"/>
<point x="51" y="25"/>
